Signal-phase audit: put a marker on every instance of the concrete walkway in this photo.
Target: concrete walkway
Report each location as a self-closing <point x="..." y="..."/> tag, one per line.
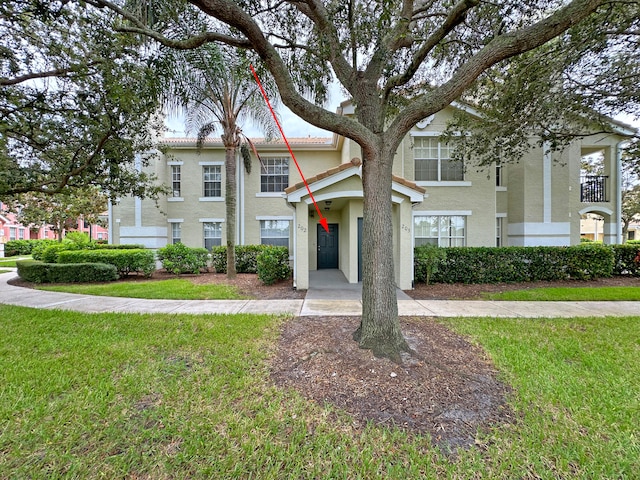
<point x="332" y="304"/>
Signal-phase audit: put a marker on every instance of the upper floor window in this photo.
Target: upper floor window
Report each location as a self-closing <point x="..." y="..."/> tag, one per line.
<point x="212" y="178"/>
<point x="176" y="177"/>
<point x="440" y="230"/>
<point x="212" y="234"/>
<point x="274" y="232"/>
<point x="433" y="162"/>
<point x="274" y="175"/>
<point x="499" y="176"/>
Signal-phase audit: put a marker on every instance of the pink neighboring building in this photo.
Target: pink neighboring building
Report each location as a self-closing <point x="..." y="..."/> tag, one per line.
<point x="12" y="229"/>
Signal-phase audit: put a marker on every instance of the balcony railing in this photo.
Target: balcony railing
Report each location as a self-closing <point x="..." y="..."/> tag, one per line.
<point x="593" y="188"/>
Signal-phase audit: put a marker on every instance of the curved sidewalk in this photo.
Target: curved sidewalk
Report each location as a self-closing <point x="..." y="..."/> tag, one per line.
<point x="26" y="297"/>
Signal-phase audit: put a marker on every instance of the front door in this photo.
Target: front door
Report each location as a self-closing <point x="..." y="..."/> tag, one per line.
<point x="328" y="247"/>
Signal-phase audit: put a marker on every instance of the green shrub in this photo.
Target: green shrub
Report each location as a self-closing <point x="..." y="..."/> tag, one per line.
<point x="40" y="272"/>
<point x="178" y="258"/>
<point x="39" y="247"/>
<point x="521" y="264"/>
<point x="79" y="239"/>
<point x="125" y="261"/>
<point x="627" y="259"/>
<point x="24" y="247"/>
<point x="246" y="258"/>
<point x="52" y="252"/>
<point x="427" y="261"/>
<point x="273" y="264"/>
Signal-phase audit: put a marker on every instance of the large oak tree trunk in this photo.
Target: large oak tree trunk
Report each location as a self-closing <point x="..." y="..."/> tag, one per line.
<point x="379" y="328"/>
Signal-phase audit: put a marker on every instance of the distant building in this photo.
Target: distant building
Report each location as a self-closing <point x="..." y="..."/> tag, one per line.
<point x="12" y="229"/>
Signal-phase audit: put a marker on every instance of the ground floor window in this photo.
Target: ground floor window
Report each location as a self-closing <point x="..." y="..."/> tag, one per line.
<point x="440" y="230"/>
<point x="176" y="232"/>
<point x="212" y="234"/>
<point x="498" y="231"/>
<point x="274" y="232"/>
<point x="13" y="231"/>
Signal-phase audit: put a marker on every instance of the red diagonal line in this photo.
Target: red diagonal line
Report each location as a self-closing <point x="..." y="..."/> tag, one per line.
<point x="266" y="99"/>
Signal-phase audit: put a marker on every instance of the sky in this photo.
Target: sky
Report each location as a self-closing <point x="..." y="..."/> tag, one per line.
<point x="293" y="126"/>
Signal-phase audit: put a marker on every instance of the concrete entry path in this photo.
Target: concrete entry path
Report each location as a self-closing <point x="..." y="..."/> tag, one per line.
<point x="333" y="301"/>
<point x="331" y="284"/>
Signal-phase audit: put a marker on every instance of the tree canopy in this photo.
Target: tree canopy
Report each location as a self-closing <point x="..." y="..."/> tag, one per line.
<point x="77" y="102"/>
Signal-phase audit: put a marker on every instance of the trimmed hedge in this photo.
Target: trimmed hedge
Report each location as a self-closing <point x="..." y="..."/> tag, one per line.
<point x="25" y="247"/>
<point x="521" y="264"/>
<point x="273" y="264"/>
<point x="125" y="261"/>
<point x="246" y="258"/>
<point x="40" y="272"/>
<point x="627" y="259"/>
<point x="125" y="246"/>
<point x="178" y="258"/>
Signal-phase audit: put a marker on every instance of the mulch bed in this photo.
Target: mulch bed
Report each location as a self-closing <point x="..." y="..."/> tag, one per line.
<point x="449" y="390"/>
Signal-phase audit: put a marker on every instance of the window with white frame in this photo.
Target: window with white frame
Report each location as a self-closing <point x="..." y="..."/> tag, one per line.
<point x="212" y="178"/>
<point x="176" y="180"/>
<point x="433" y="162"/>
<point x="13" y="232"/>
<point x="498" y="231"/>
<point x="274" y="174"/>
<point x="499" y="175"/>
<point x="21" y="234"/>
<point x="176" y="232"/>
<point x="440" y="230"/>
<point x="212" y="234"/>
<point x="274" y="232"/>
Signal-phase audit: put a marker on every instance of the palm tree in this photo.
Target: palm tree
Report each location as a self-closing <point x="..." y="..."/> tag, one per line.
<point x="217" y="92"/>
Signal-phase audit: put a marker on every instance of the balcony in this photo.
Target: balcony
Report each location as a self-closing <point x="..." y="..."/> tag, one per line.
<point x="593" y="188"/>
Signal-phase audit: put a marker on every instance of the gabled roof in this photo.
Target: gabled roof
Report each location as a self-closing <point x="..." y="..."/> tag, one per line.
<point x="345" y="170"/>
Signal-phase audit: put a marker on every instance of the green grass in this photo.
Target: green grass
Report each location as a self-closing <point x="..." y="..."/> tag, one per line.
<point x="568" y="294"/>
<point x="174" y="289"/>
<point x="11" y="261"/>
<point x="189" y="396"/>
<point x="4" y="271"/>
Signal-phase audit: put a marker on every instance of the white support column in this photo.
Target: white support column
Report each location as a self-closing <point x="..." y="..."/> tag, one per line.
<point x="546" y="182"/>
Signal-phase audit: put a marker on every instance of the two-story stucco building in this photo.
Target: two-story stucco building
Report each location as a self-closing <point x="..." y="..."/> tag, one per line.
<point x="536" y="201"/>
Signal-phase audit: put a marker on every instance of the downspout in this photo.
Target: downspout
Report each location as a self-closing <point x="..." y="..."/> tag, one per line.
<point x="240" y="200"/>
<point x="110" y="222"/>
<point x="619" y="149"/>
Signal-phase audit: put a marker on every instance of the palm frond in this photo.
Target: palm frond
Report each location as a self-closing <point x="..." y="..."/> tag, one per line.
<point x="246" y="157"/>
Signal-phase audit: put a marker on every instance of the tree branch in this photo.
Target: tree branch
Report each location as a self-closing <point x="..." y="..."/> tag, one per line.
<point x="499" y="48"/>
<point x="455" y="17"/>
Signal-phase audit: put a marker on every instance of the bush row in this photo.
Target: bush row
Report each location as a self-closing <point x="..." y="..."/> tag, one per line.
<point x="24" y="247"/>
<point x="246" y="258"/>
<point x="125" y="261"/>
<point x="178" y="258"/>
<point x="522" y="264"/>
<point x="40" y="272"/>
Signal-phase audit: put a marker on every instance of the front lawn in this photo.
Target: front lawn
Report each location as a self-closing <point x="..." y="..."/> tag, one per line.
<point x="173" y="289"/>
<point x="11" y="261"/>
<point x="569" y="294"/>
<point x="189" y="396"/>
